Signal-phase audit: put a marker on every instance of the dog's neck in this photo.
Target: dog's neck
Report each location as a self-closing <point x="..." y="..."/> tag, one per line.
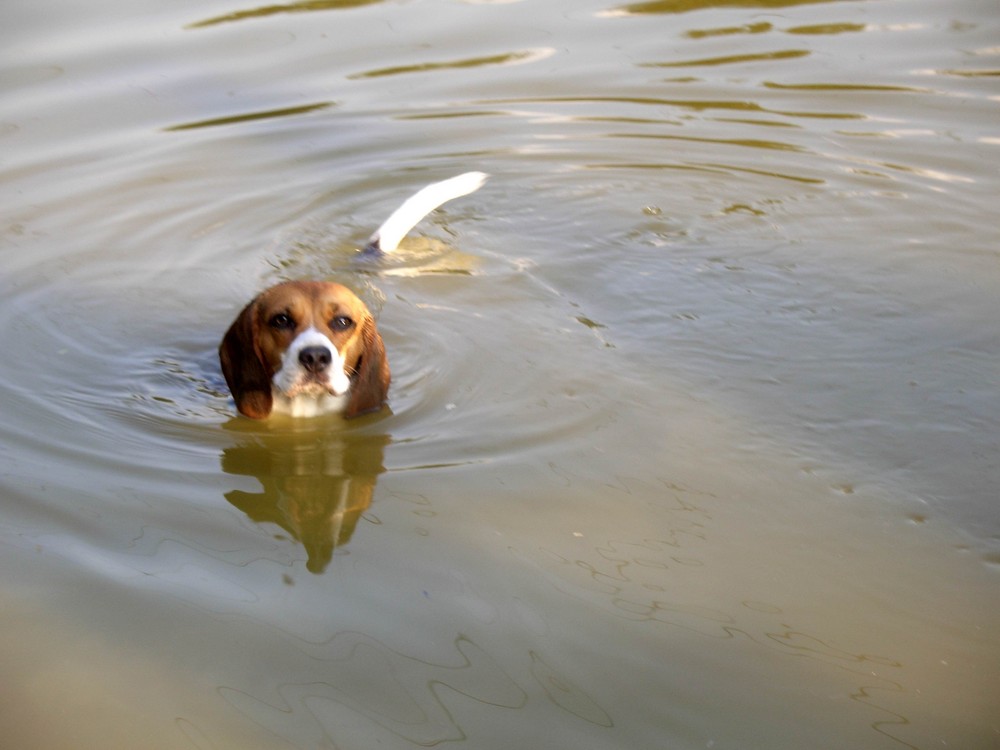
<point x="308" y="405"/>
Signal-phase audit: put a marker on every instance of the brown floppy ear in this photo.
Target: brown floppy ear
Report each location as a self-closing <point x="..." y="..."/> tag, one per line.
<point x="370" y="382"/>
<point x="243" y="366"/>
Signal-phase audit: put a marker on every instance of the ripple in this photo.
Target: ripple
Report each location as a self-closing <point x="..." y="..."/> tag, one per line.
<point x="413" y="698"/>
<point x="750" y="28"/>
<point x="268" y="114"/>
<point x="509" y="58"/>
<point x="788" y="54"/>
<point x="971" y="73"/>
<point x="657" y="7"/>
<point x="694" y="105"/>
<point x="875" y="88"/>
<point x="743" y="142"/>
<point x="710" y="168"/>
<point x="828" y="28"/>
<point x="308" y="6"/>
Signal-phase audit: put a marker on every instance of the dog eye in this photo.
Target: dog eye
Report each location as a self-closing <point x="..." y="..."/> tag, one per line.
<point x="281" y="321"/>
<point x="341" y="323"/>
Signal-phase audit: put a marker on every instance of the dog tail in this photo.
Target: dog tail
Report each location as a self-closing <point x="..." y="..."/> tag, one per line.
<point x="388" y="236"/>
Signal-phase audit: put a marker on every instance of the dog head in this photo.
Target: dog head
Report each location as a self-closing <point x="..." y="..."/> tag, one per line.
<point x="305" y="348"/>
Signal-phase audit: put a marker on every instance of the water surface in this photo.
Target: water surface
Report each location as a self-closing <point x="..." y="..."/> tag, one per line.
<point x="693" y="434"/>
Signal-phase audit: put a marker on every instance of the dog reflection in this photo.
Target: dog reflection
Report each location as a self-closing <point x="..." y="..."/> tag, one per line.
<point x="315" y="485"/>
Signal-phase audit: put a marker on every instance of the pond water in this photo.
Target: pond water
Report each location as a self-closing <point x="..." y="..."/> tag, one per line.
<point x="694" y="431"/>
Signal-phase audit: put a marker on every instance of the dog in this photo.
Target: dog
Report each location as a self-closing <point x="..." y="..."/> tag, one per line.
<point x="307" y="348"/>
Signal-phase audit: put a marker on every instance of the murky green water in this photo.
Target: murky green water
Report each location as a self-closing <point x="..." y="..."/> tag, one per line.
<point x="694" y="428"/>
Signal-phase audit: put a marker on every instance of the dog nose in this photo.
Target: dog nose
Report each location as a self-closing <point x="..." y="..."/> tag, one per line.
<point x="315" y="358"/>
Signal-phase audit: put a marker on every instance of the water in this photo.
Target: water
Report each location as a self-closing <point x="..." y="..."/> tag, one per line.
<point x="693" y="434"/>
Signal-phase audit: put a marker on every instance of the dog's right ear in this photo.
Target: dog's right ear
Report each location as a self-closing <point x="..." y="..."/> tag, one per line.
<point x="243" y="366"/>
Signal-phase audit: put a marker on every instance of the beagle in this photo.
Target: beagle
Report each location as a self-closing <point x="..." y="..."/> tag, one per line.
<point x="306" y="348"/>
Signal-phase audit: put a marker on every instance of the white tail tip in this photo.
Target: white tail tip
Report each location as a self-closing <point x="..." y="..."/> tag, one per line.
<point x="388" y="236"/>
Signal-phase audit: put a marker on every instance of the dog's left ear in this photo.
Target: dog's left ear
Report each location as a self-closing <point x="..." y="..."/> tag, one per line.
<point x="243" y="366"/>
<point x="370" y="382"/>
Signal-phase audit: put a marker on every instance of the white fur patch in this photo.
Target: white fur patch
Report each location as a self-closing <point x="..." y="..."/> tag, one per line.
<point x="301" y="393"/>
<point x="308" y="406"/>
